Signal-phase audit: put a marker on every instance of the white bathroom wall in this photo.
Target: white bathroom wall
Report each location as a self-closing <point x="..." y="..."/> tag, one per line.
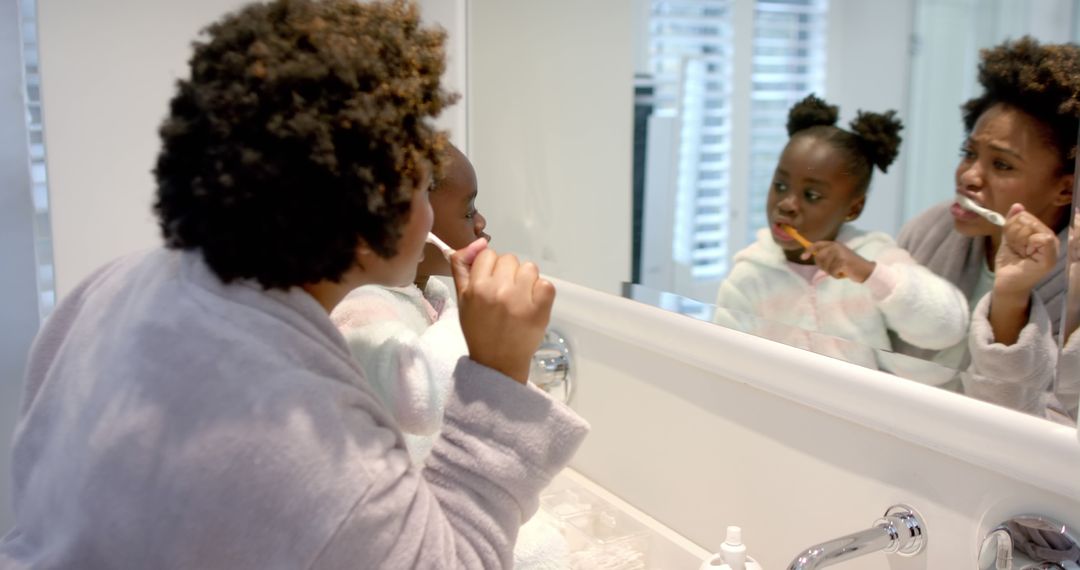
<point x="18" y="283"/>
<point x="550" y="112"/>
<point x="699" y="450"/>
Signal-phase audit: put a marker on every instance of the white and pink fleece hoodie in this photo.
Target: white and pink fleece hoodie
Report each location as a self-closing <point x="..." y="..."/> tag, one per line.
<point x="408" y="342"/>
<point x="765" y="295"/>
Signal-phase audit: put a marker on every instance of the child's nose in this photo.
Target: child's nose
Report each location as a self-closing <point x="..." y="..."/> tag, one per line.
<point x="479" y="223"/>
<point x="789" y="205"/>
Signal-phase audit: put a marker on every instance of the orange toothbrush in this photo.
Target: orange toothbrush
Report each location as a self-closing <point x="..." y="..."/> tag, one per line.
<point x="796" y="236"/>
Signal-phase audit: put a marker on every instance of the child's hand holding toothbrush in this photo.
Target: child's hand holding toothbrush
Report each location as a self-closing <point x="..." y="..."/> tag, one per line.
<point x="834" y="258"/>
<point x="839" y="261"/>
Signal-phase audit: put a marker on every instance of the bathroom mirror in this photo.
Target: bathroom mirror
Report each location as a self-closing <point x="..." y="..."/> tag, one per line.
<point x="635" y="140"/>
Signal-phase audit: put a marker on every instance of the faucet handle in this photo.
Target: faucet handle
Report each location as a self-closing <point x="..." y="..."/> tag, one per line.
<point x="552" y="367"/>
<point x="907" y="530"/>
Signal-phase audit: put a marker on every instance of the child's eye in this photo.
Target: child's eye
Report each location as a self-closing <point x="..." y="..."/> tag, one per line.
<point x="966" y="153"/>
<point x="812" y="196"/>
<point x="470" y="214"/>
<point x="779" y="187"/>
<point x="1002" y="165"/>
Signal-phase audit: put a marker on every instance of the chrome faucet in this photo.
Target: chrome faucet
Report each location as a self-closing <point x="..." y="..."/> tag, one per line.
<point x="901" y="531"/>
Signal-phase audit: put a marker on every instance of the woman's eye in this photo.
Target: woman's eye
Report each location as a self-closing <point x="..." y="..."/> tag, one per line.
<point x="966" y="153"/>
<point x="470" y="215"/>
<point x="1002" y="165"/>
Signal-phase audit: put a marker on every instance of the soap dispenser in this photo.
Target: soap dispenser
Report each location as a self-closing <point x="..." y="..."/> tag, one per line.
<point x="732" y="555"/>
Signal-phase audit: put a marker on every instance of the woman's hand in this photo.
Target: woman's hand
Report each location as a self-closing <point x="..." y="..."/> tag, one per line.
<point x="505" y="307"/>
<point x="1028" y="251"/>
<point x="839" y="261"/>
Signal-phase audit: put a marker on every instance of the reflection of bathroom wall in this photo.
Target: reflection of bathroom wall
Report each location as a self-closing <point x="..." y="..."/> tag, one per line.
<point x="551" y="111"/>
<point x="18" y="285"/>
<point x="868" y="69"/>
<point x="699" y="450"/>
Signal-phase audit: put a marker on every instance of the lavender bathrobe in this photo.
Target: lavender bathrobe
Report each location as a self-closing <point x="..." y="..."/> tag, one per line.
<point x="1018" y="376"/>
<point x="173" y="421"/>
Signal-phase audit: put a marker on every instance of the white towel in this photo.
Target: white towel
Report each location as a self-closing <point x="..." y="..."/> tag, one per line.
<point x="541" y="546"/>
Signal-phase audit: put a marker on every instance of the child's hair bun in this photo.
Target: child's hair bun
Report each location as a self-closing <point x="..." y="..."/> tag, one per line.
<point x="811" y="112"/>
<point x="880" y="136"/>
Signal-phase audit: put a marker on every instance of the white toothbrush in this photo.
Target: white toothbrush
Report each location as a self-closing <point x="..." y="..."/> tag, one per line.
<point x="970" y="205"/>
<point x="446" y="250"/>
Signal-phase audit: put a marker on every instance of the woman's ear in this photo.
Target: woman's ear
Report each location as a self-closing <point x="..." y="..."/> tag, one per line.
<point x="856" y="208"/>
<point x="1064" y="196"/>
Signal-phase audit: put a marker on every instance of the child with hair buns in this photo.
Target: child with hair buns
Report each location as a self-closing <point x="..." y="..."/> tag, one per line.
<point x="811" y="272"/>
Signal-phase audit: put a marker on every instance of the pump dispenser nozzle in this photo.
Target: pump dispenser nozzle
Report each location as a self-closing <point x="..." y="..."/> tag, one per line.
<point x="732" y="555"/>
<point x="733" y="550"/>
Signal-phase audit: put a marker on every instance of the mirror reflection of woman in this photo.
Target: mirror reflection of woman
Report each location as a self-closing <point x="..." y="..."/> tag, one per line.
<point x="834" y="289"/>
<point x="1017" y="160"/>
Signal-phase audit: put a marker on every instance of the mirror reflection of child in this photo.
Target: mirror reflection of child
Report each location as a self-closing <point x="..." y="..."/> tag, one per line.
<point x="846" y="283"/>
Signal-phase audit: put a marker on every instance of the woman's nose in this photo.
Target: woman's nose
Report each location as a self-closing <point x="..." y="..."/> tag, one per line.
<point x="971" y="175"/>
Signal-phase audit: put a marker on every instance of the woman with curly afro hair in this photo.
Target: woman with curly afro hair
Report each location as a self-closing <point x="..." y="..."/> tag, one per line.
<point x="815" y="274"/>
<point x="193" y="406"/>
<point x="1018" y="160"/>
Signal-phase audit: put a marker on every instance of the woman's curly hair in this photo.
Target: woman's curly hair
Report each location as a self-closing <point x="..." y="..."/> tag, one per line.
<point x="1040" y="80"/>
<point x="303" y="129"/>
<point x="874" y="138"/>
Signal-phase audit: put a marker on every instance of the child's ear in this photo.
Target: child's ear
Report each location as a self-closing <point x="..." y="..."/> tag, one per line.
<point x="856" y="208"/>
<point x="363" y="252"/>
<point x="1064" y="196"/>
